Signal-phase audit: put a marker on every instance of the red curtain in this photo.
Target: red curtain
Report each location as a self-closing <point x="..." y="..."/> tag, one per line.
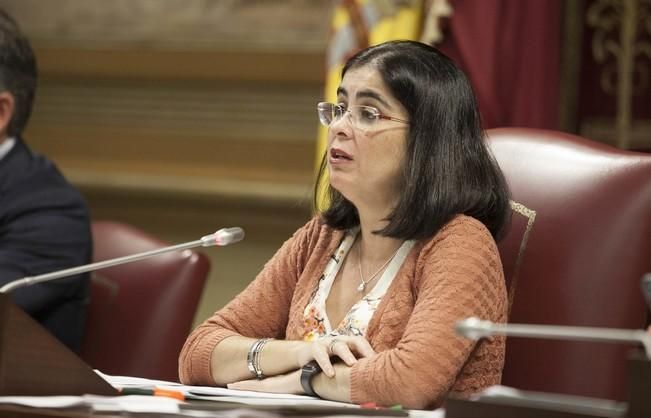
<point x="510" y="49"/>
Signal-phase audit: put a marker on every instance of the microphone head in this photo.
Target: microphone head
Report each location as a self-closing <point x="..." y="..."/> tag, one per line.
<point x="224" y="236"/>
<point x="474" y="328"/>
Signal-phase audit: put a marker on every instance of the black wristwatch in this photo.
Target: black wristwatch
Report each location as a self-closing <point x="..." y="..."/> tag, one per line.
<point x="307" y="373"/>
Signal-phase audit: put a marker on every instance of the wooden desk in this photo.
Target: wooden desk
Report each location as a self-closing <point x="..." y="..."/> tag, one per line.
<point x="246" y="411"/>
<point x="458" y="408"/>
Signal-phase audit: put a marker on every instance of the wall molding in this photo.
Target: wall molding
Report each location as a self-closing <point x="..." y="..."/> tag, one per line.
<point x="306" y="66"/>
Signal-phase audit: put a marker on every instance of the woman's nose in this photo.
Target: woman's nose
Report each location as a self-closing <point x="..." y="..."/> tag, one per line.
<point x="343" y="124"/>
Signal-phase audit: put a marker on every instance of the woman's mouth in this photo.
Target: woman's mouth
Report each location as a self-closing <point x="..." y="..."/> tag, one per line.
<point x="337" y="155"/>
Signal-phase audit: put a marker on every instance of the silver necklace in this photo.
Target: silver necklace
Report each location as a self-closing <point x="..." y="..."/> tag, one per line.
<point x="362" y="285"/>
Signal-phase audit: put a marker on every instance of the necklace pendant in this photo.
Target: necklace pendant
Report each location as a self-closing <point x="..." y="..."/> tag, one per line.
<point x="361" y="287"/>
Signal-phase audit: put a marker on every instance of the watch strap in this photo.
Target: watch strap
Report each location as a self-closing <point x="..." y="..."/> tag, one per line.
<point x="307" y="373"/>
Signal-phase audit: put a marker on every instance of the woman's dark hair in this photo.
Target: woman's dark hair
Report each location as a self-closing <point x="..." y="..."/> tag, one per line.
<point x="448" y="168"/>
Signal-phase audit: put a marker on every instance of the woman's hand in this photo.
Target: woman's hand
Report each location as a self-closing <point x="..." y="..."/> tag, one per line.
<point x="348" y="349"/>
<point x="282" y="383"/>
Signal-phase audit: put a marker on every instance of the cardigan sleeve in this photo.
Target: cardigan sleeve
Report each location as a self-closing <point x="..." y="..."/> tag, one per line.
<point x="458" y="274"/>
<point x="260" y="310"/>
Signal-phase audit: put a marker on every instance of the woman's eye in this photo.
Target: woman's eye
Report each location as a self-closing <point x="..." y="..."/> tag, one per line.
<point x="368" y="113"/>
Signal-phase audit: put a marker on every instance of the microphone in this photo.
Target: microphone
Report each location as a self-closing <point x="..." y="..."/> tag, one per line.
<point x="224" y="236"/>
<point x="475" y="328"/>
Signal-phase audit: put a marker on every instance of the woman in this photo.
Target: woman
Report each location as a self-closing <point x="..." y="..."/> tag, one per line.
<point x="360" y="304"/>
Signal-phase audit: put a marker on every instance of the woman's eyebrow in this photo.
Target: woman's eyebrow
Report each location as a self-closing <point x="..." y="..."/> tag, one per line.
<point x="341" y="91"/>
<point x="372" y="95"/>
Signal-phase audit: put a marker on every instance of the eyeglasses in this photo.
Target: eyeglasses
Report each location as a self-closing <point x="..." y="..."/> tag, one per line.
<point x="363" y="117"/>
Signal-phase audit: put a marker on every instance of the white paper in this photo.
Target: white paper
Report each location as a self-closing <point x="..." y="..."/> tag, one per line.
<point x="219" y="394"/>
<point x="419" y="413"/>
<point x="244" y="397"/>
<point x="277" y="401"/>
<point x="133" y="403"/>
<point x="128" y="381"/>
<point x="217" y="391"/>
<point x="43" y="401"/>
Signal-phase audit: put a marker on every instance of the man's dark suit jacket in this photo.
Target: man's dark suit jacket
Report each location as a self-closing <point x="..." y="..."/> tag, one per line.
<point x="44" y="226"/>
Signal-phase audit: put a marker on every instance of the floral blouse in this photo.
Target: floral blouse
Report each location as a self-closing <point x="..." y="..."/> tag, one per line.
<point x="358" y="317"/>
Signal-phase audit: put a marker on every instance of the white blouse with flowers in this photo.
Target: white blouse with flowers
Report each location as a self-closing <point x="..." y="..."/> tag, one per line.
<point x="358" y="317"/>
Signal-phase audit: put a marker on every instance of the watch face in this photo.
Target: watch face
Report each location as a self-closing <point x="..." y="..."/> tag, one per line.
<point x="310" y="368"/>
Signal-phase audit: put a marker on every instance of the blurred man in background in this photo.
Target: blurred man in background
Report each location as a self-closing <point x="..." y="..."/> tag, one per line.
<point x="44" y="222"/>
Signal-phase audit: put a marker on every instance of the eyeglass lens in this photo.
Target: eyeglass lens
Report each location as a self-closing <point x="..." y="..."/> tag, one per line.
<point x="361" y="116"/>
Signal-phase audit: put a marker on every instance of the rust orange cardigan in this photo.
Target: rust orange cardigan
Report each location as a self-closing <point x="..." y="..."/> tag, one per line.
<point x="451" y="276"/>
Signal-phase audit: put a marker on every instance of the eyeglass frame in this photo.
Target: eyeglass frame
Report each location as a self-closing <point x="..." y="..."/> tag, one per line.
<point x="378" y="115"/>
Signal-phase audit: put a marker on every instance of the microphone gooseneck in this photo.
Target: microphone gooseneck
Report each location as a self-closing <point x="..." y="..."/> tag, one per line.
<point x="224" y="236"/>
<point x="475" y="329"/>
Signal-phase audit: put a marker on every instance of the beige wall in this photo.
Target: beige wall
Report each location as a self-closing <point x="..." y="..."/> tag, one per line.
<point x="184" y="116"/>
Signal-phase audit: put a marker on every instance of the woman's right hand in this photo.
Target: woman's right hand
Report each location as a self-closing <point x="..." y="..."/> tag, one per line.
<point x="347" y="348"/>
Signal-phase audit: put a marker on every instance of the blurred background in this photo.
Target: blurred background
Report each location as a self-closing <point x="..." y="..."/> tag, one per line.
<point x="185" y="116"/>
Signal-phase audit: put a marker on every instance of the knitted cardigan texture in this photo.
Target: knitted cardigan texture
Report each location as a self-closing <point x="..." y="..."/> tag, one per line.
<point x="451" y="276"/>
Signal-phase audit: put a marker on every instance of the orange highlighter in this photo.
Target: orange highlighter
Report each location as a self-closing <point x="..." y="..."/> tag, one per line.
<point x="153" y="392"/>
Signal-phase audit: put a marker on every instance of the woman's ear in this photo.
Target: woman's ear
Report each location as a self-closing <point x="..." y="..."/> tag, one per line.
<point x="6" y="112"/>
